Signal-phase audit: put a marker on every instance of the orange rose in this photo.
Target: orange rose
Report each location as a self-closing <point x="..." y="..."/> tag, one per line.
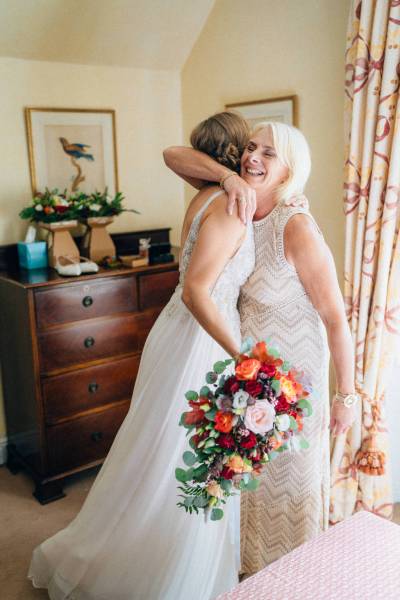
<point x="288" y="387"/>
<point x="247" y="369"/>
<point x="260" y="351"/>
<point x="235" y="463"/>
<point x="223" y="422"/>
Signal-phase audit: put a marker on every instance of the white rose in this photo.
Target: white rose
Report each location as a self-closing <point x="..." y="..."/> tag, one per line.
<point x="39" y="207"/>
<point x="283" y="422"/>
<point x="240" y="399"/>
<point x="95" y="207"/>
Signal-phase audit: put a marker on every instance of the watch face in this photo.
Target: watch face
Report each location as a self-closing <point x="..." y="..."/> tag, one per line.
<point x="350" y="400"/>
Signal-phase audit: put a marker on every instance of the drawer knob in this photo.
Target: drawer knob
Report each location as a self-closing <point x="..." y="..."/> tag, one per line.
<point x="93" y="387"/>
<point x="89" y="341"/>
<point x="97" y="436"/>
<point x="87" y="301"/>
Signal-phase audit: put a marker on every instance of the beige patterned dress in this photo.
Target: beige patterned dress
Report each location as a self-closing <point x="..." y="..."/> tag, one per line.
<point x="292" y="502"/>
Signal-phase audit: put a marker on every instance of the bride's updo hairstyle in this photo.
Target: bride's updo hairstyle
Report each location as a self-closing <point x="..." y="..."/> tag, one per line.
<point x="293" y="151"/>
<point x="223" y="137"/>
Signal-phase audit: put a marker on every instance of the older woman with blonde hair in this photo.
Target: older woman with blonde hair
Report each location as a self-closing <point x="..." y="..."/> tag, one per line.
<point x="293" y="298"/>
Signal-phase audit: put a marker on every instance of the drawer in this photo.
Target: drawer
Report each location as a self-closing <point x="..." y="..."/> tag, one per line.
<point x="157" y="288"/>
<point x="93" y="340"/>
<point x="83" y="440"/>
<point x="65" y="395"/>
<point x="85" y="300"/>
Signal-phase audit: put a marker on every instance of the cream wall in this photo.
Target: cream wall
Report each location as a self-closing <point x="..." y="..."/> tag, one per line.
<point x="265" y="48"/>
<point x="148" y="118"/>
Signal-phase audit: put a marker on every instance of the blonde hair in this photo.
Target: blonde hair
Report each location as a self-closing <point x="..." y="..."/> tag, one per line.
<point x="293" y="151"/>
<point x="223" y="137"/>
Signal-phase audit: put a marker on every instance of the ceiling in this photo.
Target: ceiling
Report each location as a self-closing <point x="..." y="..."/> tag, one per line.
<point x="150" y="34"/>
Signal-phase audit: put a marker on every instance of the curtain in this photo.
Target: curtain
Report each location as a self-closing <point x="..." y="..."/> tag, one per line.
<point x="360" y="477"/>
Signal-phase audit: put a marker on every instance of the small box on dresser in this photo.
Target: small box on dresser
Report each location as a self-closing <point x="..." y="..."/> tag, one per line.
<point x="70" y="352"/>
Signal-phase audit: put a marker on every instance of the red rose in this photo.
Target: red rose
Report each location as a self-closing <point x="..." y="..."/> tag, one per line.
<point x="269" y="370"/>
<point x="249" y="441"/>
<point x="225" y="440"/>
<point x="282" y="405"/>
<point x="231" y="385"/>
<point x="227" y="473"/>
<point x="254" y="388"/>
<point x="193" y="417"/>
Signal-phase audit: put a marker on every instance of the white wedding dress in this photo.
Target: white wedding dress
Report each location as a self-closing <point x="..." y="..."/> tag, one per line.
<point x="130" y="541"/>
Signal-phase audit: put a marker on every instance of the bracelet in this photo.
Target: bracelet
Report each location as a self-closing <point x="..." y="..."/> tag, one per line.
<point x="347" y="399"/>
<point x="224" y="178"/>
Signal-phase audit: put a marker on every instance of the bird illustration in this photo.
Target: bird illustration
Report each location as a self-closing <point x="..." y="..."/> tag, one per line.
<point x="75" y="150"/>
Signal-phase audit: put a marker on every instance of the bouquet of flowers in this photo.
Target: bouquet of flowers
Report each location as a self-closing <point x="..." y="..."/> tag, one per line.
<point x="239" y="422"/>
<point x="98" y="204"/>
<point x="50" y="206"/>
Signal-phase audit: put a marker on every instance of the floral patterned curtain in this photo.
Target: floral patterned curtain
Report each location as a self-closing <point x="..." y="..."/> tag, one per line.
<point x="360" y="478"/>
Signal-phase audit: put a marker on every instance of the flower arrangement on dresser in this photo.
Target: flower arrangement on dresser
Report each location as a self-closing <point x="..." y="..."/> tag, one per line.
<point x="59" y="213"/>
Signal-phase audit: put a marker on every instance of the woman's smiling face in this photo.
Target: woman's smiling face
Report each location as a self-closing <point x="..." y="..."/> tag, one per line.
<point x="260" y="166"/>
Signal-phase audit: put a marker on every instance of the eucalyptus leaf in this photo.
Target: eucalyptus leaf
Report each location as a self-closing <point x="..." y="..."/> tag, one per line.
<point x="200" y="501"/>
<point x="191" y="395"/>
<point x="252" y="485"/>
<point x="247" y="345"/>
<point x="217" y="514"/>
<point x="189" y="458"/>
<point x="205" y="390"/>
<point x="180" y="475"/>
<point x="293" y="423"/>
<point x="276" y="386"/>
<point x="219" y="367"/>
<point x="305" y="405"/>
<point x="211" y="377"/>
<point x="226" y="485"/>
<point x="210" y="415"/>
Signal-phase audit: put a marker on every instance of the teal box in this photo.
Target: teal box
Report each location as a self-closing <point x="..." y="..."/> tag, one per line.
<point x="32" y="255"/>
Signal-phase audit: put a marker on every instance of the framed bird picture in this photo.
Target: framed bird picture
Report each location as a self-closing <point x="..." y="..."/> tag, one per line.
<point x="72" y="149"/>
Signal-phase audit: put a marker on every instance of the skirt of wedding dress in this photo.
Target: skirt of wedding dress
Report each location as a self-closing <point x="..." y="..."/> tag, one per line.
<point x="130" y="541"/>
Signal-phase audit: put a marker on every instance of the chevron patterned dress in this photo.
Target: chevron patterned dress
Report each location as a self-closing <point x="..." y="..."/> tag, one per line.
<point x="292" y="502"/>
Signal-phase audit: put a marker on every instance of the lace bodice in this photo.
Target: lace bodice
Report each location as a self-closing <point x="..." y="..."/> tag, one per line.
<point x="235" y="273"/>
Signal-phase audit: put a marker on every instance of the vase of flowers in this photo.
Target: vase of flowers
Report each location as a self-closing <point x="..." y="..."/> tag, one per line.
<point x="97" y="211"/>
<point x="53" y="211"/>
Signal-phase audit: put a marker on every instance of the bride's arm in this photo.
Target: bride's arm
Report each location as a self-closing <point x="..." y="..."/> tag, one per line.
<point x="198" y="169"/>
<point x="219" y="238"/>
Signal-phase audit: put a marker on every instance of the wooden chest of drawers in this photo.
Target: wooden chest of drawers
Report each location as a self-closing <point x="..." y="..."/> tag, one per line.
<point x="70" y="352"/>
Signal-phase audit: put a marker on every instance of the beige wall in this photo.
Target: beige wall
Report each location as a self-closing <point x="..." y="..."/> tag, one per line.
<point x="264" y="48"/>
<point x="148" y="116"/>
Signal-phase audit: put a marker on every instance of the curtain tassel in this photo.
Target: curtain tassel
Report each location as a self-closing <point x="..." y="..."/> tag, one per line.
<point x="369" y="459"/>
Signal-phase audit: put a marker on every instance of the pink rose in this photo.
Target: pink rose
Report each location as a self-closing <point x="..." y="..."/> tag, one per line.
<point x="260" y="417"/>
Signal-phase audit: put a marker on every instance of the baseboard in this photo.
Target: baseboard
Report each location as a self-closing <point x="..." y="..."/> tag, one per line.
<point x="3" y="450"/>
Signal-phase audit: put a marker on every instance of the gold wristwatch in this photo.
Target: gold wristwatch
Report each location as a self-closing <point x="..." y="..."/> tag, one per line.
<point x="347" y="399"/>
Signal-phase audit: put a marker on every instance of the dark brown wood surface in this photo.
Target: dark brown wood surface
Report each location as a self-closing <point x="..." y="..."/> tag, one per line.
<point x="85" y="300"/>
<point x="70" y="351"/>
<point x="155" y="289"/>
<point x="86" y="389"/>
<point x="85" y="439"/>
<point x="91" y="340"/>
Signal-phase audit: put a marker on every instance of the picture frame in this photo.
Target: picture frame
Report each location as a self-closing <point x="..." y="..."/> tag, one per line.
<point x="284" y="109"/>
<point x="73" y="149"/>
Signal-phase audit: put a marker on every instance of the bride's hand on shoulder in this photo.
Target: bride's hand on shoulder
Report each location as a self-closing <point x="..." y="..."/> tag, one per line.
<point x="238" y="191"/>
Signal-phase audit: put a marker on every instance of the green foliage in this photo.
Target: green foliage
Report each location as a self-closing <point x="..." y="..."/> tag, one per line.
<point x="191" y="395"/>
<point x="217" y="514"/>
<point x="219" y="367"/>
<point x="305" y="405"/>
<point x="52" y="206"/>
<point x="211" y="377"/>
<point x="189" y="458"/>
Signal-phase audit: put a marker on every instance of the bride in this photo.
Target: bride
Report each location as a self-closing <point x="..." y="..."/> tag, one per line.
<point x="130" y="541"/>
